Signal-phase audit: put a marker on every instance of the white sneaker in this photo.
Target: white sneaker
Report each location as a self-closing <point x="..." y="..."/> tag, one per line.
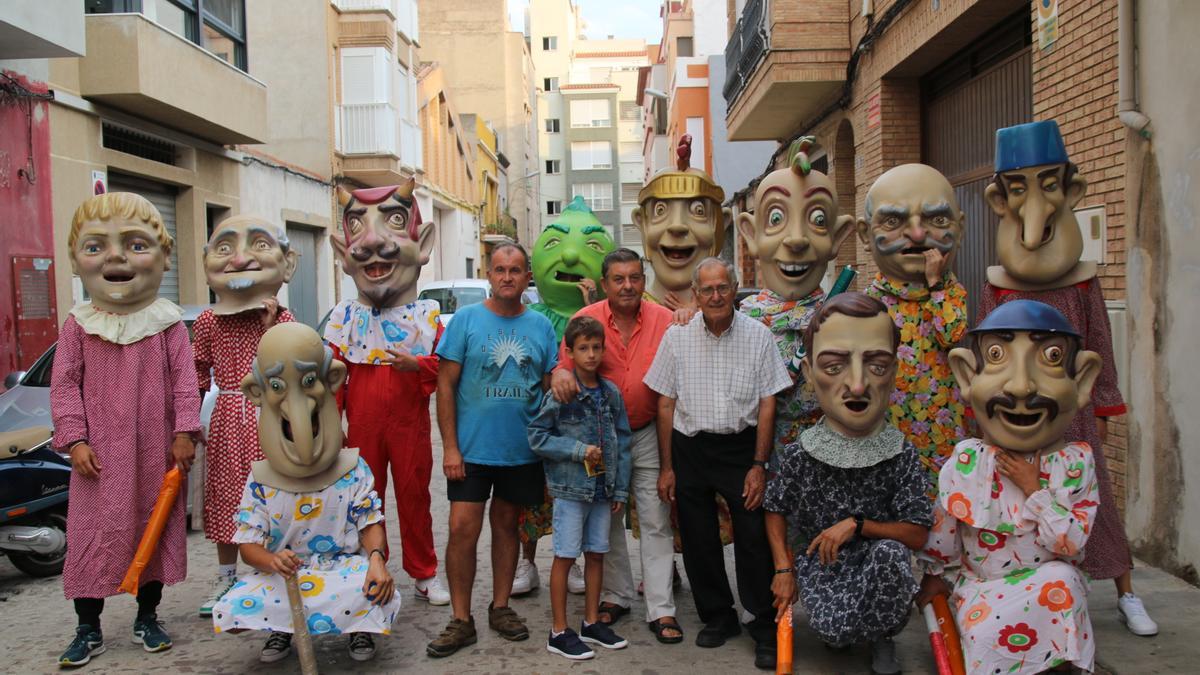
<point x="220" y="586"/>
<point x="575" y="582"/>
<point x="1133" y="613"/>
<point x="432" y="591"/>
<point x="526" y="578"/>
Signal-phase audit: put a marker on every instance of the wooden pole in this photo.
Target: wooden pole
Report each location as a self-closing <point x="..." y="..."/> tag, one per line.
<point x="304" y="645"/>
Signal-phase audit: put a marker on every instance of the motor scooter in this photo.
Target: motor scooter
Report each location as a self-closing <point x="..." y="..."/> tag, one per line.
<point x="34" y="481"/>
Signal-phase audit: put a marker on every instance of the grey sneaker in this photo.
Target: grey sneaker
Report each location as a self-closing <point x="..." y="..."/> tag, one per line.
<point x="883" y="657"/>
<point x="278" y="646"/>
<point x="88" y="642"/>
<point x="150" y="634"/>
<point x="362" y="646"/>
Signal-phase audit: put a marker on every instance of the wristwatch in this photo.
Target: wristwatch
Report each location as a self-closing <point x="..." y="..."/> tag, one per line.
<point x="759" y="462"/>
<point x="858" y="524"/>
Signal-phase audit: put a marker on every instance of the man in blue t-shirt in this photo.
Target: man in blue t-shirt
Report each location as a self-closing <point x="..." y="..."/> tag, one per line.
<point x="496" y="359"/>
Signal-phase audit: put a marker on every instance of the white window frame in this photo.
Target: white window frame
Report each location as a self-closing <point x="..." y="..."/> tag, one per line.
<point x="585" y="153"/>
<point x="599" y="196"/>
<point x="553" y="122"/>
<point x="553" y="207"/>
<point x="549" y="84"/>
<point x="590" y="113"/>
<point x="549" y="43"/>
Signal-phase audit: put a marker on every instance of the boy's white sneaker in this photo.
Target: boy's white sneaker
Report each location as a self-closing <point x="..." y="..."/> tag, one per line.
<point x="575" y="582"/>
<point x="526" y="578"/>
<point x="1133" y="613"/>
<point x="432" y="591"/>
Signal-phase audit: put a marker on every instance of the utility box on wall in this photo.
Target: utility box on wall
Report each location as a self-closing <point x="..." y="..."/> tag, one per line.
<point x="37" y="316"/>
<point x="1093" y="225"/>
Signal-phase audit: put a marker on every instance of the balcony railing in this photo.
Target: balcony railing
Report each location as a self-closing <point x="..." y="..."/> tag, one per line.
<point x="367" y="129"/>
<point x="411" y="147"/>
<point x="747" y="46"/>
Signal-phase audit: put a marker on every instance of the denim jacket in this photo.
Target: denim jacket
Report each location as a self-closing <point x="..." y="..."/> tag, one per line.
<point x="560" y="434"/>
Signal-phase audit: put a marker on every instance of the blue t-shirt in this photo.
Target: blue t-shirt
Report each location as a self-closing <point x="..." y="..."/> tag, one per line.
<point x="503" y="361"/>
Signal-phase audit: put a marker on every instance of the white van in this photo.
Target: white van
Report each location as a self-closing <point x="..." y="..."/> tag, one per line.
<point x="452" y="294"/>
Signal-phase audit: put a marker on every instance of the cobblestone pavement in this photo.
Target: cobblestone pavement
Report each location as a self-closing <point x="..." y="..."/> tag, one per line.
<point x="38" y="624"/>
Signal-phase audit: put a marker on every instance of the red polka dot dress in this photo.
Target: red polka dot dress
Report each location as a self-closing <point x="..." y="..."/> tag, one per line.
<point x="225" y="345"/>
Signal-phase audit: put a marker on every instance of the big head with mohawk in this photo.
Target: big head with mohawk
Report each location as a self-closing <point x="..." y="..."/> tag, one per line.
<point x="383" y="243"/>
<point x="794" y="231"/>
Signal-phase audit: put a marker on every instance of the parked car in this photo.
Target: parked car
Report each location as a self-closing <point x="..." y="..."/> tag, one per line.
<point x="455" y="293"/>
<point x="27" y="404"/>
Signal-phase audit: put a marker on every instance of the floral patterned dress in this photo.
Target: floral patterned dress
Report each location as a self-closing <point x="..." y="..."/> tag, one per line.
<point x="797" y="408"/>
<point x="1019" y="599"/>
<point x="867" y="594"/>
<point x="926" y="404"/>
<point x="322" y="528"/>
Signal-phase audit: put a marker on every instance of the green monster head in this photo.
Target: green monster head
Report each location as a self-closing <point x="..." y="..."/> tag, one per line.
<point x="569" y="249"/>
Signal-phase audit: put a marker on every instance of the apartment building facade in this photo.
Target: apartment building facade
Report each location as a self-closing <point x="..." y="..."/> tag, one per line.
<point x="590" y="123"/>
<point x="491" y="74"/>
<point x="931" y="82"/>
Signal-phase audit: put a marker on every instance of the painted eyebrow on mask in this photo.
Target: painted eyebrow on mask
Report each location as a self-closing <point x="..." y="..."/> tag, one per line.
<point x="589" y="229"/>
<point x="890" y="210"/>
<point x="777" y="188"/>
<point x="815" y="189"/>
<point x="938" y="209"/>
<point x="263" y="231"/>
<point x="388" y="208"/>
<point x="304" y="366"/>
<point x="561" y="228"/>
<point x="272" y="371"/>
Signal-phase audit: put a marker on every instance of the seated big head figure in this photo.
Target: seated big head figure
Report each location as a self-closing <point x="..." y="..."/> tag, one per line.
<point x="309" y="509"/>
<point x="1016" y="507"/>
<point x="853" y="485"/>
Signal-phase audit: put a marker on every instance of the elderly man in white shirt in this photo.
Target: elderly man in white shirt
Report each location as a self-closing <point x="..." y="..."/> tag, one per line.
<point x="717" y="377"/>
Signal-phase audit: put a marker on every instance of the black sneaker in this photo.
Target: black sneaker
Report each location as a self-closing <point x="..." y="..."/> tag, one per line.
<point x="603" y="635"/>
<point x="568" y="644"/>
<point x="150" y="634"/>
<point x="88" y="642"/>
<point x="278" y="646"/>
<point x="362" y="646"/>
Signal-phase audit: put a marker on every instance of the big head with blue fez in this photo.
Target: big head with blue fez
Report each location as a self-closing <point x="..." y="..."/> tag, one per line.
<point x="1034" y="191"/>
<point x="383" y="243"/>
<point x="1025" y="375"/>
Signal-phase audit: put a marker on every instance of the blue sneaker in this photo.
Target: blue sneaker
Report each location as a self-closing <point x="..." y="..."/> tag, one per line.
<point x="603" y="635"/>
<point x="149" y="633"/>
<point x="568" y="644"/>
<point x="88" y="642"/>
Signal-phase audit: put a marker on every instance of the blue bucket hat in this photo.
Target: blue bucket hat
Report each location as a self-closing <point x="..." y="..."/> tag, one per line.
<point x="1033" y="144"/>
<point x="1025" y="315"/>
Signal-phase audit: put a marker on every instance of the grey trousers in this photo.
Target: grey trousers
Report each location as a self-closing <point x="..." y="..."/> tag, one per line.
<point x="657" y="540"/>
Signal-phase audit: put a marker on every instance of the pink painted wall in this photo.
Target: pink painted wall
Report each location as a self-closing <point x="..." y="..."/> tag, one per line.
<point x="26" y="220"/>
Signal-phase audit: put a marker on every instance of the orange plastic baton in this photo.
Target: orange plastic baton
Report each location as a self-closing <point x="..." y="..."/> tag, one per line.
<point x="154" y="529"/>
<point x="945" y="620"/>
<point x="783" y="644"/>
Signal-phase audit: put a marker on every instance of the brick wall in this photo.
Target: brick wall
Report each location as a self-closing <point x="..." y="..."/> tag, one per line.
<point x="1074" y="82"/>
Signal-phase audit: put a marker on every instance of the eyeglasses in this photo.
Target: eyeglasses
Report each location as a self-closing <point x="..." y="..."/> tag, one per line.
<point x="707" y="291"/>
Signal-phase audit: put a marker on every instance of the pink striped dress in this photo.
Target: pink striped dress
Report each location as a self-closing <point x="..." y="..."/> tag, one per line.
<point x="127" y="402"/>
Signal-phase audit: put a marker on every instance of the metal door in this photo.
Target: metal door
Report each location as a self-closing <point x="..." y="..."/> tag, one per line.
<point x="163" y="198"/>
<point x="966" y="99"/>
<point x="302" y="289"/>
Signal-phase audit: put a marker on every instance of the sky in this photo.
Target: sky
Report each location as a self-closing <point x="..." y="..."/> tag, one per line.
<point x="618" y="18"/>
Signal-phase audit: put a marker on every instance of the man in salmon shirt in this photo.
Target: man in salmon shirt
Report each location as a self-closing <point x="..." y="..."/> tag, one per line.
<point x="633" y="329"/>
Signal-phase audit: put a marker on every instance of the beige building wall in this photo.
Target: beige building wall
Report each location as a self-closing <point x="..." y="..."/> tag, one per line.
<point x="490" y="73"/>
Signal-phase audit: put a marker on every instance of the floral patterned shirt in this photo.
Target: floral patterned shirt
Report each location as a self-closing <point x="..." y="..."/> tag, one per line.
<point x="797" y="408"/>
<point x="363" y="334"/>
<point x="926" y="404"/>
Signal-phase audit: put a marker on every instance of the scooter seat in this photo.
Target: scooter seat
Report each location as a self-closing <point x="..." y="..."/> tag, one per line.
<point x="13" y="443"/>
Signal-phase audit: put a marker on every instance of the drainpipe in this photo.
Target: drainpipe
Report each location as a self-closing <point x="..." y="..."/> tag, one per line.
<point x="1126" y="75"/>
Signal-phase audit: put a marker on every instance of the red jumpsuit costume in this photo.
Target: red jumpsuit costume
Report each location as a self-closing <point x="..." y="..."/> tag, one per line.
<point x="387" y="410"/>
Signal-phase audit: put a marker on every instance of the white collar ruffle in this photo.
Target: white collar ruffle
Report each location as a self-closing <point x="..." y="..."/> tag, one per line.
<point x="126" y="329"/>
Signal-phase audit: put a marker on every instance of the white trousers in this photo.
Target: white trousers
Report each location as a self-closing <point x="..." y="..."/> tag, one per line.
<point x="657" y="540"/>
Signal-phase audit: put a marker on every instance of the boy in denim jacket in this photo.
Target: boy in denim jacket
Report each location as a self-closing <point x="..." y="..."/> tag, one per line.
<point x="584" y="445"/>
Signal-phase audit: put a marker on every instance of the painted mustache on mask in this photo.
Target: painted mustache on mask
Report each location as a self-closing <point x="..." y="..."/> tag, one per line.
<point x="1032" y="403"/>
<point x="387" y="251"/>
<point x="903" y="242"/>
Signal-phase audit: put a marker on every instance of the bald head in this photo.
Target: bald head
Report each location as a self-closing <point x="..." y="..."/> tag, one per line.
<point x="911" y="209"/>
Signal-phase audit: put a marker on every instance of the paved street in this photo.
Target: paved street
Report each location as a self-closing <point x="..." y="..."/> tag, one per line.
<point x="38" y="624"/>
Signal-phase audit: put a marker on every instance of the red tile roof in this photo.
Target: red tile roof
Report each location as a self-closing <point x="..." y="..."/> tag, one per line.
<point x="609" y="55"/>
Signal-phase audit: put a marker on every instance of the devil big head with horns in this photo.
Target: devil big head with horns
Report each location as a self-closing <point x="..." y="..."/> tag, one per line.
<point x="383" y="243"/>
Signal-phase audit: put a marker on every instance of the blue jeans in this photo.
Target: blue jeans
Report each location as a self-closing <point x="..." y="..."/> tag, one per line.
<point x="580" y="527"/>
